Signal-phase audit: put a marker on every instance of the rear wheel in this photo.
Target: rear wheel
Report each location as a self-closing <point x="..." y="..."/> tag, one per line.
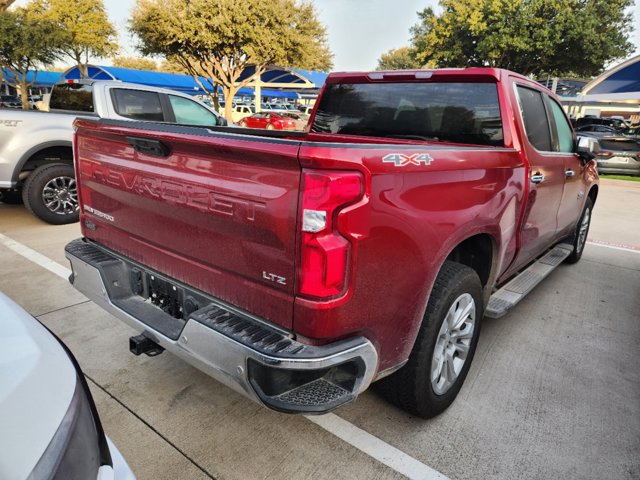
<point x="579" y="238"/>
<point x="50" y="193"/>
<point x="439" y="362"/>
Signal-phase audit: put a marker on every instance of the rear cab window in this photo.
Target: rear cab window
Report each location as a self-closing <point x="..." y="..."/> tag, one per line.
<point x="137" y="104"/>
<point x="455" y="112"/>
<point x="74" y="97"/>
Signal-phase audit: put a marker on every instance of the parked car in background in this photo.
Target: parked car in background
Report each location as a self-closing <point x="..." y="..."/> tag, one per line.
<point x="33" y="100"/>
<point x="50" y="424"/>
<point x="283" y="107"/>
<point x="305" y="109"/>
<point x="10" y="101"/>
<point x="241" y="111"/>
<point x="632" y="132"/>
<point x="36" y="157"/>
<point x="618" y="155"/>
<point x="607" y="121"/>
<point x="598" y="130"/>
<point x="263" y="106"/>
<point x="300" y="118"/>
<point x="269" y="120"/>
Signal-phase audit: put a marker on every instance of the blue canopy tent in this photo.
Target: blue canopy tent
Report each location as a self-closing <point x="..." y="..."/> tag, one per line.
<point x="43" y="79"/>
<point x="186" y="83"/>
<point x="289" y="78"/>
<point x="615" y="92"/>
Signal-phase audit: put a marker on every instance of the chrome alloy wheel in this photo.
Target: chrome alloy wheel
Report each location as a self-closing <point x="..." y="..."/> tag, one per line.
<point x="60" y="195"/>
<point x="453" y="343"/>
<point x="584" y="228"/>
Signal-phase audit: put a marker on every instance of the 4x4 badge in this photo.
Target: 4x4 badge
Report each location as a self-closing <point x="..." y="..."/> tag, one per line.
<point x="402" y="160"/>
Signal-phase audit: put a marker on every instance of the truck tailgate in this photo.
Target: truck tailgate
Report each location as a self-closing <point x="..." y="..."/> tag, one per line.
<point x="215" y="211"/>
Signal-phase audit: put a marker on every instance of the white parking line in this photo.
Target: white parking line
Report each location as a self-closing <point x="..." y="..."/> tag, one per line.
<point x="35" y="257"/>
<point x="614" y="246"/>
<point x="346" y="431"/>
<point x="376" y="448"/>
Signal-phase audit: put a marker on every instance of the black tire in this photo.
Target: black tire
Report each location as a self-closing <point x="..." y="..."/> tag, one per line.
<point x="579" y="237"/>
<point x="11" y="197"/>
<point x="411" y="387"/>
<point x="56" y="182"/>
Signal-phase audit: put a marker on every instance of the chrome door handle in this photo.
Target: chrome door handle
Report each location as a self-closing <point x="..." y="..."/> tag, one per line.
<point x="569" y="173"/>
<point x="537" y="178"/>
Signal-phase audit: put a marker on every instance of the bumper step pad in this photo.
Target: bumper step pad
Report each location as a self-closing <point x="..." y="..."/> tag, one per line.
<point x="510" y="294"/>
<point x="318" y="392"/>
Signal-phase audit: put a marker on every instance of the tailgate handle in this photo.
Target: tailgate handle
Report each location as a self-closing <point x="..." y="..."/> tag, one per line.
<point x="149" y="146"/>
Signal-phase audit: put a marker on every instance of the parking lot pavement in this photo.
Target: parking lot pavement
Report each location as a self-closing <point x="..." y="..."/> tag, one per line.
<point x="554" y="390"/>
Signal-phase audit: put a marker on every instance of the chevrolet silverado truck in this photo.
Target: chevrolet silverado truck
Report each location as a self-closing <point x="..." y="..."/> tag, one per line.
<point x="298" y="268"/>
<point x="36" y="157"/>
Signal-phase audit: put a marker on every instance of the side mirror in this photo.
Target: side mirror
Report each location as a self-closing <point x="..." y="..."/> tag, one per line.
<point x="586" y="148"/>
<point x="222" y="122"/>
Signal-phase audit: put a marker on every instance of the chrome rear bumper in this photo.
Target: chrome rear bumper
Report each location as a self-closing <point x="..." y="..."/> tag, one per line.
<point x="249" y="355"/>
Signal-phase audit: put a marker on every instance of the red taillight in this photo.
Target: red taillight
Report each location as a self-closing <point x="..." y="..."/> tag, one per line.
<point x="605" y="153"/>
<point x="324" y="250"/>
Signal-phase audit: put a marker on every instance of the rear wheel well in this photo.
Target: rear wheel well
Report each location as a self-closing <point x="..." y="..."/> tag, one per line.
<point x="593" y="194"/>
<point x="475" y="252"/>
<point x="49" y="155"/>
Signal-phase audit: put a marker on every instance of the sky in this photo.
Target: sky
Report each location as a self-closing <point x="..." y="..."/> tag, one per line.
<point x="359" y="31"/>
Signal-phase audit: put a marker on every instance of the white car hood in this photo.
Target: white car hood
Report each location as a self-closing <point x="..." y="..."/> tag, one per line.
<point x="37" y="382"/>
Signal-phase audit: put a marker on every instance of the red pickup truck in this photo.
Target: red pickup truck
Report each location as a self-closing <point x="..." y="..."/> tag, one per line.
<point x="298" y="268"/>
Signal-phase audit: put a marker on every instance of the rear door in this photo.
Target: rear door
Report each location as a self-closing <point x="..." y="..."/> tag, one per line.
<point x="215" y="211"/>
<point x="546" y="175"/>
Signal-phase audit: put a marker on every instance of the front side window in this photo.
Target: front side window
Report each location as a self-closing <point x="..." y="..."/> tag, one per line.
<point x="454" y="112"/>
<point x="188" y="112"/>
<point x="535" y="120"/>
<point x="138" y="104"/>
<point x="563" y="128"/>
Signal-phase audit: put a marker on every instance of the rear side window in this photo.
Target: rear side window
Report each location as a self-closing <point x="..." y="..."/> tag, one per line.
<point x="619" y="145"/>
<point x="72" y="96"/>
<point x="188" y="112"/>
<point x="448" y="112"/>
<point x="137" y="104"/>
<point x="534" y="115"/>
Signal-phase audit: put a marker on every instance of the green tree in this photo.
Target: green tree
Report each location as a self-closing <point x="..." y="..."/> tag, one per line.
<point x="171" y="66"/>
<point x="532" y="37"/>
<point x="27" y="42"/>
<point x="218" y="39"/>
<point x="397" y="59"/>
<point x="137" y="63"/>
<point x="85" y="28"/>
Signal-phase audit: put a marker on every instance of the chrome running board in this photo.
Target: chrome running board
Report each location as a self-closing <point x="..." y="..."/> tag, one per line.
<point x="507" y="297"/>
